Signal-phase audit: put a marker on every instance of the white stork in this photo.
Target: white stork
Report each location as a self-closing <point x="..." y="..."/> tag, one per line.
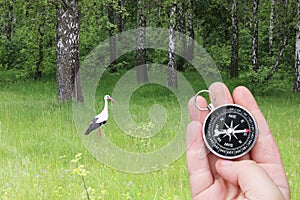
<point x="100" y="119"/>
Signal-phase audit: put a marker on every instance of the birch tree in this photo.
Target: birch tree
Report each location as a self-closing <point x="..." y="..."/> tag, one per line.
<point x="255" y="35"/>
<point x="234" y="41"/>
<point x="271" y="29"/>
<point x="10" y="18"/>
<point x="67" y="50"/>
<point x="142" y="76"/>
<point x="111" y="33"/>
<point x="120" y="16"/>
<point x="158" y="18"/>
<point x="297" y="62"/>
<point x="38" y="72"/>
<point x="278" y="60"/>
<point x="172" y="74"/>
<point x="191" y="32"/>
<point x="8" y="26"/>
<point x="182" y="26"/>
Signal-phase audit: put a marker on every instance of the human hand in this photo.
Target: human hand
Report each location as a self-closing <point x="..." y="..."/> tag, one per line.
<point x="257" y="175"/>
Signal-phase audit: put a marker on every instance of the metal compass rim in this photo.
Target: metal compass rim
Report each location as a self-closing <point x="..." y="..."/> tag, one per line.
<point x="219" y="154"/>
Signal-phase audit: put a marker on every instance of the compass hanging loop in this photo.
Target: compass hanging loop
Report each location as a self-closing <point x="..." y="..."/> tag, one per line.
<point x="210" y="105"/>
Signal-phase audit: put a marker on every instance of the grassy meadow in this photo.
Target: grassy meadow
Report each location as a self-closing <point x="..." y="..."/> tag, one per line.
<point x="42" y="156"/>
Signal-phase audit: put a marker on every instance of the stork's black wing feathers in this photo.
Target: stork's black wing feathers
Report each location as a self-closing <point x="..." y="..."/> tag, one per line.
<point x="93" y="126"/>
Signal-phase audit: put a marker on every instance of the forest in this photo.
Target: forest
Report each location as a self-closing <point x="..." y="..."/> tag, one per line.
<point x="250" y="41"/>
<point x="52" y="53"/>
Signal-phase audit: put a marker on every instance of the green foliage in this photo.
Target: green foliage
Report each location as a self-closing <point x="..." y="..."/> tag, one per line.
<point x="220" y="55"/>
<point x="281" y="81"/>
<point x="157" y="56"/>
<point x="13" y="54"/>
<point x="245" y="50"/>
<point x="33" y="30"/>
<point x="214" y="18"/>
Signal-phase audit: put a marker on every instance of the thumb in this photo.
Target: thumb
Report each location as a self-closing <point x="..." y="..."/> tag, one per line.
<point x="252" y="179"/>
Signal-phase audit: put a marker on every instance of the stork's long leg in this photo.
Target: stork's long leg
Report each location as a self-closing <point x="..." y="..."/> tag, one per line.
<point x="99" y="133"/>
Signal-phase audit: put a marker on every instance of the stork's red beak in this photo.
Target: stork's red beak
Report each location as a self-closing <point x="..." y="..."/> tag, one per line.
<point x="112" y="100"/>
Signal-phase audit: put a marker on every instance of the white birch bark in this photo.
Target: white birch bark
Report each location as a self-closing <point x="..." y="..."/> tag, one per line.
<point x="142" y="75"/>
<point x="67" y="51"/>
<point x="172" y="74"/>
<point x="111" y="33"/>
<point x="182" y="26"/>
<point x="255" y="36"/>
<point x="234" y="42"/>
<point x="191" y="33"/>
<point x="271" y="29"/>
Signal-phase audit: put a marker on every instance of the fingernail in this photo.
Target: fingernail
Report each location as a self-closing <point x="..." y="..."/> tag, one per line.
<point x="226" y="163"/>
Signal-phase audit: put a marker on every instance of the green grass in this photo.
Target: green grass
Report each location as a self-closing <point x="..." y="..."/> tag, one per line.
<point x="283" y="116"/>
<point x="39" y="140"/>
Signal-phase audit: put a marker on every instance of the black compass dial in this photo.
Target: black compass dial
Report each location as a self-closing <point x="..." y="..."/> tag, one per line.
<point x="230" y="131"/>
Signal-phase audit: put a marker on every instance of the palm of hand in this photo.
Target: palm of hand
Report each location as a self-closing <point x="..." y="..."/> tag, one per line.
<point x="204" y="167"/>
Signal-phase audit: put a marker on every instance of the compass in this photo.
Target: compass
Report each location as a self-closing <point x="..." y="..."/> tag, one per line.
<point x="229" y="131"/>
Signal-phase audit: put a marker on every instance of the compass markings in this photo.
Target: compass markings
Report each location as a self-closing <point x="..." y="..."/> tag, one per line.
<point x="229" y="131"/>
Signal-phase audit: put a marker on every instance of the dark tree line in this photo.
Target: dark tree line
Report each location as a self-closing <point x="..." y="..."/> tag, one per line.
<point x="253" y="39"/>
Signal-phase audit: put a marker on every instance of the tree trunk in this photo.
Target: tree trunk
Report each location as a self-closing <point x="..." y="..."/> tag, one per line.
<point x="111" y="32"/>
<point x="120" y="17"/>
<point x="158" y="18"/>
<point x="38" y="72"/>
<point x="234" y="42"/>
<point x="271" y="29"/>
<point x="67" y="51"/>
<point x="120" y="23"/>
<point x="277" y="25"/>
<point x="182" y="27"/>
<point x="8" y="29"/>
<point x="255" y="36"/>
<point x="172" y="73"/>
<point x="96" y="15"/>
<point x="278" y="60"/>
<point x="191" y="32"/>
<point x="297" y="62"/>
<point x="142" y="75"/>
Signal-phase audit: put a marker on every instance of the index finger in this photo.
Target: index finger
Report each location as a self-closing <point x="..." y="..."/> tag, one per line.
<point x="222" y="96"/>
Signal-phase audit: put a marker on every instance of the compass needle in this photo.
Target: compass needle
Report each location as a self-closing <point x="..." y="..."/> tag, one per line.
<point x="230" y="117"/>
<point x="217" y="132"/>
<point x="242" y="131"/>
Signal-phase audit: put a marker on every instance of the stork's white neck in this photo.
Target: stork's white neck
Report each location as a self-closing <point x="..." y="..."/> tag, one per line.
<point x="105" y="109"/>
